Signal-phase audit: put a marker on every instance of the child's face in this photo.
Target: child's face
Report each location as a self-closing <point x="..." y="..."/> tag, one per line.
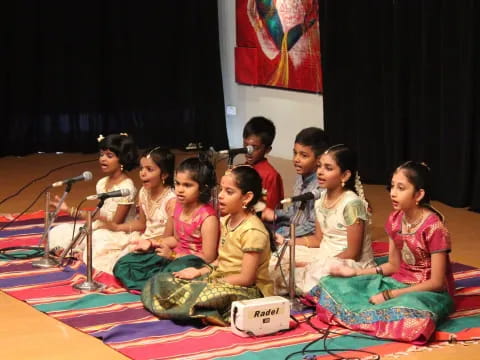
<point x="109" y="162"/>
<point x="402" y="192"/>
<point x="304" y="159"/>
<point x="150" y="173"/>
<point x="259" y="149"/>
<point x="186" y="189"/>
<point x="230" y="197"/>
<point x="329" y="174"/>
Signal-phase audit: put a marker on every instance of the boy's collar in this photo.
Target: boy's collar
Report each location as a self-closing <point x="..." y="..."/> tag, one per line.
<point x="310" y="177"/>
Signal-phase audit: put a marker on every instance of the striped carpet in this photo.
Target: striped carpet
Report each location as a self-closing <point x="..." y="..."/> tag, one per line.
<point x="120" y="321"/>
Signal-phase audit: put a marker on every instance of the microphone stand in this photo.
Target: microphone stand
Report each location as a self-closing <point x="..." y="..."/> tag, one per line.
<point x="47" y="261"/>
<point x="89" y="284"/>
<point x="297" y="306"/>
<point x="82" y="232"/>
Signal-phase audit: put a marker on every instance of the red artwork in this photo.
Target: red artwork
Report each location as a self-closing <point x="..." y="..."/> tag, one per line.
<point x="278" y="44"/>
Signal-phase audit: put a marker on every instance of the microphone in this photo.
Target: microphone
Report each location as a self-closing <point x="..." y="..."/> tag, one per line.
<point x="313" y="195"/>
<point x="106" y="195"/>
<point x="232" y="152"/>
<point x="86" y="176"/>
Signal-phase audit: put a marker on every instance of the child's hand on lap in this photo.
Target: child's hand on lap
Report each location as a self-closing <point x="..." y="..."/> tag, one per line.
<point x="268" y="214"/>
<point x="279" y="239"/>
<point x="141" y="244"/>
<point x="187" y="273"/>
<point x="342" y="271"/>
<point x="163" y="250"/>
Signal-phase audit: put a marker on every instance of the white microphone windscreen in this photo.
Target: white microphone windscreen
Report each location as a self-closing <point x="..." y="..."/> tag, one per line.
<point x="87" y="175"/>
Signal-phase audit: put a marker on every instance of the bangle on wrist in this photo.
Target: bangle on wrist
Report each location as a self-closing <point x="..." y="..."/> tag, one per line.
<point x="387" y="295"/>
<point x="379" y="270"/>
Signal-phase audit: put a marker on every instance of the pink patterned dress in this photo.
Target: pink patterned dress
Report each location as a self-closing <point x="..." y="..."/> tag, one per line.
<point x="188" y="234"/>
<point x="410" y="317"/>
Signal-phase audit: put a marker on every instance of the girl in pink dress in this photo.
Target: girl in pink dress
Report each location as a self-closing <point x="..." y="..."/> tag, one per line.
<point x="195" y="230"/>
<point x="407" y="296"/>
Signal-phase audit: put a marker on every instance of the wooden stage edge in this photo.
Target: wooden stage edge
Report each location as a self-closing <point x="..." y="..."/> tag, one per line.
<point x="27" y="333"/>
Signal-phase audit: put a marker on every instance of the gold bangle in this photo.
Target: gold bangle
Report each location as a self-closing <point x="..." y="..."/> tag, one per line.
<point x="390" y="294"/>
<point x="173" y="255"/>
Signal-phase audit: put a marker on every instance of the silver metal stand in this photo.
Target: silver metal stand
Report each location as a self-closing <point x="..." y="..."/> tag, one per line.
<point x="82" y="232"/>
<point x="89" y="284"/>
<point x="295" y="304"/>
<point x="47" y="261"/>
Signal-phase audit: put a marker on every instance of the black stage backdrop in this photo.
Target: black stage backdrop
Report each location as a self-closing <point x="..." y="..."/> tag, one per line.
<point x="401" y="82"/>
<point x="71" y="70"/>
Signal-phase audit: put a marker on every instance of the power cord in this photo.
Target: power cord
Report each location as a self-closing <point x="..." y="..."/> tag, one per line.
<point x="25" y="210"/>
<point x="308" y="354"/>
<point x="42" y="177"/>
<point x="75" y="220"/>
<point x="38" y="196"/>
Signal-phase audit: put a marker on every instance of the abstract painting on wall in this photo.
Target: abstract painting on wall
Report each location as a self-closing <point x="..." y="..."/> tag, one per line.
<point x="278" y="44"/>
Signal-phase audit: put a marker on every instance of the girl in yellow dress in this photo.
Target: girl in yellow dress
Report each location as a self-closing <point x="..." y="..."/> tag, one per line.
<point x="240" y="271"/>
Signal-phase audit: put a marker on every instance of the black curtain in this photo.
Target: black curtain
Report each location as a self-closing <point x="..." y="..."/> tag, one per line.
<point x="401" y="82"/>
<point x="72" y="70"/>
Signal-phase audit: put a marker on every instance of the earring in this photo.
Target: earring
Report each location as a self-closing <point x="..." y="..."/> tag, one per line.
<point x="343" y="184"/>
<point x="163" y="181"/>
<point x="121" y="167"/>
<point x="416" y="203"/>
<point x="244" y="206"/>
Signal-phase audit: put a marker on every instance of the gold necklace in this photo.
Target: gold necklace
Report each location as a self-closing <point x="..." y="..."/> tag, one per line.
<point x="153" y="204"/>
<point x="232" y="228"/>
<point x="414" y="224"/>
<point x="333" y="203"/>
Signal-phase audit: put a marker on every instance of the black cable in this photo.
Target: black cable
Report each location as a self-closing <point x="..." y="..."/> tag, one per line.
<point x="42" y="177"/>
<point x="24" y="211"/>
<point x="326" y="332"/>
<point x="75" y="221"/>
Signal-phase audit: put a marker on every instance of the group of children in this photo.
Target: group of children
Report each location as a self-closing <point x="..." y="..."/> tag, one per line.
<point x="188" y="263"/>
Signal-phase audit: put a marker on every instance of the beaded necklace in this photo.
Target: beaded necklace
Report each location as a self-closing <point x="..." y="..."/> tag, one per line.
<point x="414" y="224"/>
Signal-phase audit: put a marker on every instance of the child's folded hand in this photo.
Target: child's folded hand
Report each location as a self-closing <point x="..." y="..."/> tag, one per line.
<point x="342" y="271"/>
<point x="268" y="214"/>
<point x="187" y="273"/>
<point x="140" y="244"/>
<point x="279" y="239"/>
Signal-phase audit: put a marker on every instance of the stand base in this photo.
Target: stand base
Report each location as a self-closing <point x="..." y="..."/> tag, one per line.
<point x="89" y="286"/>
<point x="296" y="305"/>
<point x="45" y="262"/>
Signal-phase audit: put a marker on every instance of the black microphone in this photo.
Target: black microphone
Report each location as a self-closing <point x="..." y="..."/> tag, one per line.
<point x="106" y="195"/>
<point x="232" y="152"/>
<point x="313" y="195"/>
<point x="86" y="176"/>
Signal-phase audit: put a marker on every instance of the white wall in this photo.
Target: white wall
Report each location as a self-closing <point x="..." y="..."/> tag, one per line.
<point x="291" y="111"/>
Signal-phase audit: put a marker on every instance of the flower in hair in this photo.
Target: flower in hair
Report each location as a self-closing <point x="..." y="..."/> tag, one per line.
<point x="333" y="147"/>
<point x="100" y="138"/>
<point x="425" y="164"/>
<point x="123" y="134"/>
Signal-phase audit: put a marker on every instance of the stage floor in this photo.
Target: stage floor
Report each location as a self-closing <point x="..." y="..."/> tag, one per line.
<point x="27" y="333"/>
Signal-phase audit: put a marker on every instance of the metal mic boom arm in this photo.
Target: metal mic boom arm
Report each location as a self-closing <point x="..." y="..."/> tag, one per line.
<point x="82" y="232"/>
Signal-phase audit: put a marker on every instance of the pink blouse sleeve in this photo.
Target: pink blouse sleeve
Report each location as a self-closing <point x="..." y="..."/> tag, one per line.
<point x="438" y="239"/>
